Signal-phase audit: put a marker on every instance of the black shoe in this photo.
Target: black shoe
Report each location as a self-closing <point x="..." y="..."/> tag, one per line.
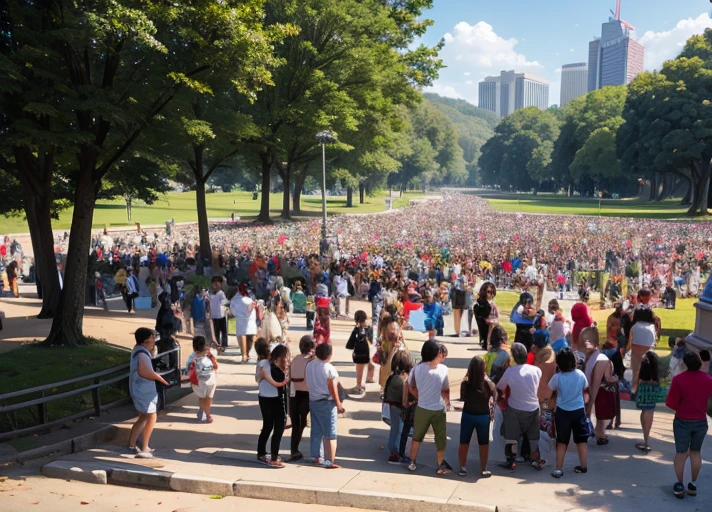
<point x="692" y="489"/>
<point x="678" y="490"/>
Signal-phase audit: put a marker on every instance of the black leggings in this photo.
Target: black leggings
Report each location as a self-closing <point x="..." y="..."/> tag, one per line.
<point x="272" y="423"/>
<point x="220" y="328"/>
<point x="298" y="412"/>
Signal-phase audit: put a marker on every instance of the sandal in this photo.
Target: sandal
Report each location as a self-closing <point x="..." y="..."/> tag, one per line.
<point x="580" y="469"/>
<point x="643" y="447"/>
<point x="602" y="441"/>
<point x="275" y="463"/>
<point x="463" y="471"/>
<point x="208" y="419"/>
<point x="557" y="473"/>
<point x="444" y="468"/>
<point x="538" y="464"/>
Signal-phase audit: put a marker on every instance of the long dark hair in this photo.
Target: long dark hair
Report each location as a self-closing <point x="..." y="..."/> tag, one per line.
<point x="476" y="374"/>
<point x="649" y="367"/>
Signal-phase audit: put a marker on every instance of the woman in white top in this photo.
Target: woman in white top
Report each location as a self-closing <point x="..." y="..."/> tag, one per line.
<point x="271" y="375"/>
<point x="243" y="309"/>
<point x="643" y="337"/>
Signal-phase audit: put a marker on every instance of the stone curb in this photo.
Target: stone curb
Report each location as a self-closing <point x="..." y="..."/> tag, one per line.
<point x="163" y="480"/>
<point x="74" y="445"/>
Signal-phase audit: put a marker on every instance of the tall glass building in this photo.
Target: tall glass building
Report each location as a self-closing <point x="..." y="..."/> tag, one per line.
<point x="615" y="58"/>
<point x="574" y="82"/>
<point x="511" y="91"/>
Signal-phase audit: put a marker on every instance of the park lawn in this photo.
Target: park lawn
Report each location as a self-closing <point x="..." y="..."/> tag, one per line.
<point x="561" y="205"/>
<point x="34" y="365"/>
<point x="181" y="207"/>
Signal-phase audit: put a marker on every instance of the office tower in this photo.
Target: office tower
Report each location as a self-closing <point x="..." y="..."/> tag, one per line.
<point x="615" y="58"/>
<point x="511" y="91"/>
<point x="574" y="81"/>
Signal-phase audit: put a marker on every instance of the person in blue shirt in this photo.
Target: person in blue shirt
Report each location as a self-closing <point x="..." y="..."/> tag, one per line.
<point x="523" y="315"/>
<point x="434" y="312"/>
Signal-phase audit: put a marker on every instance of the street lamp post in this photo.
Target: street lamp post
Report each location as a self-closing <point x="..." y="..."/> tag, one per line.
<point x="324" y="137"/>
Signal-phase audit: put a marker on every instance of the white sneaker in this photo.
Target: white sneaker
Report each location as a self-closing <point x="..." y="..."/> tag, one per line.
<point x="144" y="455"/>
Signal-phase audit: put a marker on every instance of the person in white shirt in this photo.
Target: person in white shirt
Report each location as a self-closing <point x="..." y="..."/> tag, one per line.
<point x="242" y="307"/>
<point x="521" y="418"/>
<point x="217" y="313"/>
<point x="324" y="406"/>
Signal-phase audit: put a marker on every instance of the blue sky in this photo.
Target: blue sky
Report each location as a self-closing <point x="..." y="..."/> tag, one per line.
<point x="484" y="37"/>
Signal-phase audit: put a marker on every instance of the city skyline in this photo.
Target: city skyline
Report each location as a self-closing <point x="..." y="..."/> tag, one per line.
<point x="511" y="91"/>
<point x="483" y="39"/>
<point x="574" y="82"/>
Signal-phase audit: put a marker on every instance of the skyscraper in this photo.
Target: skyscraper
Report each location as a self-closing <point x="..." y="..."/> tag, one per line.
<point x="615" y="58"/>
<point x="574" y="82"/>
<point x="511" y="91"/>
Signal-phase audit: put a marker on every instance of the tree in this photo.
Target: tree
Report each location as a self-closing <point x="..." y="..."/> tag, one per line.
<point x="517" y="156"/>
<point x="597" y="159"/>
<point x="135" y="179"/>
<point x="601" y="108"/>
<point x="87" y="77"/>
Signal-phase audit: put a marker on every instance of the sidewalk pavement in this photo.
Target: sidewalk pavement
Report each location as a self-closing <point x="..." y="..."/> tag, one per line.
<point x="219" y="458"/>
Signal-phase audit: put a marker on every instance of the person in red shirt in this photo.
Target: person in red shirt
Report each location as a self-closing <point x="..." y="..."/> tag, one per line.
<point x="688" y="397"/>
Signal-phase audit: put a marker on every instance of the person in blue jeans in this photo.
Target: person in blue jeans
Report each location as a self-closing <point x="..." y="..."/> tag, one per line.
<point x="324" y="406"/>
<point x="477" y="392"/>
<point x="395" y="395"/>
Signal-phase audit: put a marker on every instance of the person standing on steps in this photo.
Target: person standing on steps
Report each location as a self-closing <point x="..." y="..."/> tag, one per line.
<point x="688" y="397"/>
<point x="142" y="386"/>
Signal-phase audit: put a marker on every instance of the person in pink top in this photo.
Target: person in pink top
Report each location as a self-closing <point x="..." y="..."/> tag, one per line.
<point x="688" y="396"/>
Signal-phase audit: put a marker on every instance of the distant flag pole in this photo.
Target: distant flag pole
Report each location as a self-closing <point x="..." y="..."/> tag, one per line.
<point x="618" y="10"/>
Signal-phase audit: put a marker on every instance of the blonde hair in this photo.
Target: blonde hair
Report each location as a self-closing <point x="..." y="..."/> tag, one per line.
<point x="591" y="335"/>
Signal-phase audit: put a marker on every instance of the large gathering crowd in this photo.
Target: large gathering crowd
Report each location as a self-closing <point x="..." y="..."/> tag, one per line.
<point x="554" y="381"/>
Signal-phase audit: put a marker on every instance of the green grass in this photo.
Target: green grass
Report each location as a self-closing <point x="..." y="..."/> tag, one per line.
<point x="181" y="207"/>
<point x="34" y="365"/>
<point x="562" y="205"/>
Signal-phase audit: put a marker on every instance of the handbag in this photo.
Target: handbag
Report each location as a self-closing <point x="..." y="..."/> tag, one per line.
<point x="378" y="356"/>
<point x="590" y="431"/>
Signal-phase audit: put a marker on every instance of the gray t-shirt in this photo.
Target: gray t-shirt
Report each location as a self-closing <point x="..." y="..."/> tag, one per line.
<point x="430" y="383"/>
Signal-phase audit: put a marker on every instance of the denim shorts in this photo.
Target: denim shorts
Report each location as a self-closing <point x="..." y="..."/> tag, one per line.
<point x="689" y="435"/>
<point x="474" y="422"/>
<point x="324" y="417"/>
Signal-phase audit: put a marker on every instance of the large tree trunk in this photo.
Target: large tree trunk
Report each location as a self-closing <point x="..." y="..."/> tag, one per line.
<point x="67" y="323"/>
<point x="361" y="193"/>
<point x="700" y="199"/>
<point x="286" y="179"/>
<point x="37" y="201"/>
<point x="266" y="161"/>
<point x="349" y="196"/>
<point x="687" y="199"/>
<point x="299" y="180"/>
<point x="206" y="252"/>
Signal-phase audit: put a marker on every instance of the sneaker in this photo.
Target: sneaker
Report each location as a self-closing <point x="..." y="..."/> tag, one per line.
<point x="144" y="455"/>
<point x="393" y="458"/>
<point x="678" y="490"/>
<point x="692" y="489"/>
<point x="405" y="460"/>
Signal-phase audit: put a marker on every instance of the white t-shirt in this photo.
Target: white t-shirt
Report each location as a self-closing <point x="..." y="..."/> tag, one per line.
<point x="267" y="390"/>
<point x="643" y="333"/>
<point x="317" y="376"/>
<point x="430" y="382"/>
<point x="523" y="381"/>
<point x="245" y="320"/>
<point x="216" y="305"/>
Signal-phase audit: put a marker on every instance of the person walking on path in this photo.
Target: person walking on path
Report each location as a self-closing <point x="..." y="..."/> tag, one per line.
<point x="242" y="307"/>
<point x="477" y="392"/>
<point x="202" y="370"/>
<point x="601" y="381"/>
<point x="217" y="313"/>
<point x="324" y="405"/>
<point x="688" y="397"/>
<point x="647" y="396"/>
<point x="429" y="382"/>
<point x="142" y="386"/>
<point x="571" y="388"/>
<point x="360" y="343"/>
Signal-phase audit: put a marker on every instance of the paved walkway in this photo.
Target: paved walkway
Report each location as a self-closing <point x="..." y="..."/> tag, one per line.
<point x="620" y="478"/>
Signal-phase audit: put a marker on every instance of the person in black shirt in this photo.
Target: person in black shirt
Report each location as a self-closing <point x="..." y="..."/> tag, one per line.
<point x="477" y="392"/>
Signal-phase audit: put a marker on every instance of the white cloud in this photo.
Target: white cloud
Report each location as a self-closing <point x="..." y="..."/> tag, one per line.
<point x="478" y="51"/>
<point x="557" y="70"/>
<point x="665" y="45"/>
<point x="571" y="50"/>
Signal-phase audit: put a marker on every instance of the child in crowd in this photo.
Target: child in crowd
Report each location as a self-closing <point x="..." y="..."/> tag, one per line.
<point x="360" y="341"/>
<point x="401" y="404"/>
<point x="202" y="369"/>
<point x="648" y="389"/>
<point x="271" y="375"/>
<point x="299" y="394"/>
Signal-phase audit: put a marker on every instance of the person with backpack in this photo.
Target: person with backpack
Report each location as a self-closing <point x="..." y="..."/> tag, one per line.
<point x="360" y="342"/>
<point x="202" y="371"/>
<point x="399" y="402"/>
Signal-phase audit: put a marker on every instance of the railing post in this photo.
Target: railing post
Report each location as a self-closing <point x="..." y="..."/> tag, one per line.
<point x="96" y="398"/>
<point x="42" y="412"/>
